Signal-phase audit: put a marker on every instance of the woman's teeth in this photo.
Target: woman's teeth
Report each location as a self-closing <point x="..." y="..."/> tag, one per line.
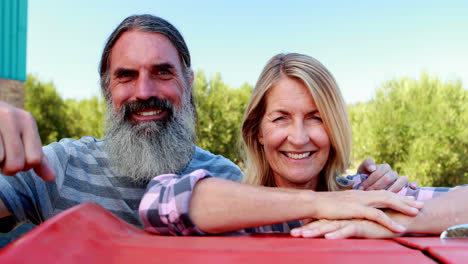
<point x="298" y="156"/>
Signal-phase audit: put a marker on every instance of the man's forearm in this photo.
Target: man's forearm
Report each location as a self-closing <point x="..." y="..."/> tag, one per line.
<point x="438" y="214"/>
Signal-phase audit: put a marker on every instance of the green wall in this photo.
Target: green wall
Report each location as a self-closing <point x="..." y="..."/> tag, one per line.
<point x="13" y="29"/>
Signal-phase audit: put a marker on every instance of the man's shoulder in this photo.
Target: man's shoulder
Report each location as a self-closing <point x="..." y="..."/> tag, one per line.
<point x="84" y="143"/>
<point x="206" y="158"/>
<point x="217" y="165"/>
<point x="75" y="147"/>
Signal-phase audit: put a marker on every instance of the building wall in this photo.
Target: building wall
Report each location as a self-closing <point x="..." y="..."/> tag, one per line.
<point x="13" y="29"/>
<point x="13" y="35"/>
<point x="12" y="92"/>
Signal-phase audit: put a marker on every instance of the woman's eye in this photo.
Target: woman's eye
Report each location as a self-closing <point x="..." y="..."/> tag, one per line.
<point x="278" y="118"/>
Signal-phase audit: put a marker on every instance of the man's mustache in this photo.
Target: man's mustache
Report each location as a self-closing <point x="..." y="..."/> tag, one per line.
<point x="141" y="105"/>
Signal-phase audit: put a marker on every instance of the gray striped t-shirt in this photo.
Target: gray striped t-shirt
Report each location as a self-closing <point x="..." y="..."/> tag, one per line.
<point x="84" y="174"/>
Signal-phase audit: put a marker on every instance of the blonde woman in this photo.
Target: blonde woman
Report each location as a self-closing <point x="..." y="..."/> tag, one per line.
<point x="296" y="129"/>
<point x="297" y="134"/>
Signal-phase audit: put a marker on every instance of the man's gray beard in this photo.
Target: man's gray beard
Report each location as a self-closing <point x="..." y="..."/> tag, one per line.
<point x="144" y="150"/>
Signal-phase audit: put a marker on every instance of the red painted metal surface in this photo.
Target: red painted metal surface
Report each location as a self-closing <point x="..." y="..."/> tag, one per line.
<point x="454" y="250"/>
<point x="89" y="234"/>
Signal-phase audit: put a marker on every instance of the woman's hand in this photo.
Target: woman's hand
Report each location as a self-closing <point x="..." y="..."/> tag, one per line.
<point x="339" y="229"/>
<point x="353" y="204"/>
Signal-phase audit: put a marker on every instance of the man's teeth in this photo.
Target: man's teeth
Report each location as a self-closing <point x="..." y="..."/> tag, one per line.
<point x="149" y="113"/>
<point x="298" y="156"/>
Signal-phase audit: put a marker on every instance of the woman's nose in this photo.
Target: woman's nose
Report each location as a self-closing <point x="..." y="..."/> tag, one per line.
<point x="298" y="135"/>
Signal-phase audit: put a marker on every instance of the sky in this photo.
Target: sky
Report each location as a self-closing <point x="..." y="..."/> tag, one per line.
<point x="362" y="43"/>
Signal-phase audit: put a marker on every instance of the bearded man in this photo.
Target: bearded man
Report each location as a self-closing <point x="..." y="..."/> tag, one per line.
<point x="146" y="80"/>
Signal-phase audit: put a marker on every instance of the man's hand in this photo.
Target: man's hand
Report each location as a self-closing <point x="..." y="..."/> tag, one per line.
<point x="20" y="144"/>
<point x="382" y="176"/>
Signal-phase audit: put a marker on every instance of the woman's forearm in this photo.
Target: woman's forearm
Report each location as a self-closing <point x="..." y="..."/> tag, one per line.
<point x="218" y="206"/>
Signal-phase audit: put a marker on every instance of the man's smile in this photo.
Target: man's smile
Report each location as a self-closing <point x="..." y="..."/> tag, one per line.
<point x="149" y="114"/>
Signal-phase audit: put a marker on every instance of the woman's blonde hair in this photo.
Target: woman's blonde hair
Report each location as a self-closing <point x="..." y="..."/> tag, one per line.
<point x="329" y="101"/>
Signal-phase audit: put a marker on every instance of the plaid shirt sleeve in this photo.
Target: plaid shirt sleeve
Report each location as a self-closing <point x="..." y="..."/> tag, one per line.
<point x="165" y="204"/>
<point x="421" y="193"/>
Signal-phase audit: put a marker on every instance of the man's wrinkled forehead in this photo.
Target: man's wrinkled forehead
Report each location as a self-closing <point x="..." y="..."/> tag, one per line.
<point x="161" y="51"/>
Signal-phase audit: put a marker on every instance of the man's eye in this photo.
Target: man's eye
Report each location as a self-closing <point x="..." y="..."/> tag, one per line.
<point x="164" y="74"/>
<point x="125" y="74"/>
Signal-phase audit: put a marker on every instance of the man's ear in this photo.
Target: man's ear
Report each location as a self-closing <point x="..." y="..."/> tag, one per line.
<point x="190" y="79"/>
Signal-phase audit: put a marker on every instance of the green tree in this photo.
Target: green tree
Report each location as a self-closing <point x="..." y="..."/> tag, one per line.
<point x="418" y="127"/>
<point x="56" y="118"/>
<point x="86" y="117"/>
<point x="220" y="110"/>
<point x="48" y="108"/>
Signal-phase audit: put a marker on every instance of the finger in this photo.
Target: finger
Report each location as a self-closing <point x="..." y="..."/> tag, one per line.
<point x="398" y="184"/>
<point x="44" y="170"/>
<point x="384" y="181"/>
<point x="323" y="229"/>
<point x="398" y="203"/>
<point x="13" y="146"/>
<point x="381" y="170"/>
<point x="380" y="217"/>
<point x="297" y="232"/>
<point x="351" y="230"/>
<point x="411" y="202"/>
<point x="317" y="228"/>
<point x="367" y="166"/>
<point x="414" y="185"/>
<point x="32" y="142"/>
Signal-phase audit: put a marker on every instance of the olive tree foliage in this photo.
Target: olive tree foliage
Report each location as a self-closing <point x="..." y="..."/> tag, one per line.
<point x="48" y="108"/>
<point x="57" y="118"/>
<point x="419" y="127"/>
<point x="87" y="117"/>
<point x="220" y="110"/>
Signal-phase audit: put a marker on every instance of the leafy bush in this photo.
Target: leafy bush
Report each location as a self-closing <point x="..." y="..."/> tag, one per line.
<point x="418" y="127"/>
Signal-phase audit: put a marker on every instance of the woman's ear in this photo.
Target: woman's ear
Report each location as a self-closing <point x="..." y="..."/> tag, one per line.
<point x="260" y="137"/>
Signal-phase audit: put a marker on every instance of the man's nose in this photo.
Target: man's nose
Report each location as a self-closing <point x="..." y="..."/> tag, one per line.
<point x="145" y="87"/>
